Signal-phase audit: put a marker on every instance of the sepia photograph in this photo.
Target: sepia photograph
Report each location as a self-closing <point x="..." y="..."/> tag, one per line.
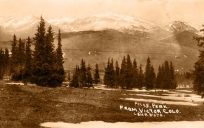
<point x="101" y="64"/>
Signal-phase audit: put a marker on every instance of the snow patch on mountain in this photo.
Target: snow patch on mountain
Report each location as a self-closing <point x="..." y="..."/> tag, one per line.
<point x="179" y="26"/>
<point x="121" y="23"/>
<point x="102" y="22"/>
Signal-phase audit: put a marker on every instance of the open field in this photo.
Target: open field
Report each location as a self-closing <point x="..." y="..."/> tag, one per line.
<point x="29" y="106"/>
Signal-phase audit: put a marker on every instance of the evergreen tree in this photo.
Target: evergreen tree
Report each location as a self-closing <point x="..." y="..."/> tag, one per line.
<point x="39" y="71"/>
<point x="166" y="75"/>
<point x="89" y="80"/>
<point x="107" y="74"/>
<point x="49" y="47"/>
<point x="141" y="81"/>
<point x="111" y="75"/>
<point x="28" y="62"/>
<point x="159" y="79"/>
<point x="123" y="73"/>
<point x="59" y="62"/>
<point x="129" y="73"/>
<point x="96" y="75"/>
<point x="43" y="65"/>
<point x="19" y="61"/>
<point x="82" y="74"/>
<point x="135" y="74"/>
<point x="153" y="76"/>
<point x="21" y="53"/>
<point x="14" y="58"/>
<point x="172" y="77"/>
<point x="149" y="75"/>
<point x="117" y="74"/>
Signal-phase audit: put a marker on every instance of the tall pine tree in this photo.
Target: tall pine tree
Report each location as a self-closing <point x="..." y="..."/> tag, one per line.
<point x="14" y="59"/>
<point x="117" y="75"/>
<point x="43" y="65"/>
<point x="159" y="78"/>
<point x="106" y="78"/>
<point x="82" y="74"/>
<point x="111" y="75"/>
<point x="96" y="75"/>
<point x="141" y="81"/>
<point x="123" y="73"/>
<point x="28" y="61"/>
<point x="149" y="75"/>
<point x="89" y="79"/>
<point x="59" y="61"/>
<point x="135" y="74"/>
<point x="129" y="73"/>
<point x="172" y="77"/>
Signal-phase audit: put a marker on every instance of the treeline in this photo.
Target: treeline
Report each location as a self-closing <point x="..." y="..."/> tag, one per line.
<point x="42" y="65"/>
<point x="127" y="76"/>
<point x="166" y="77"/>
<point x="82" y="76"/>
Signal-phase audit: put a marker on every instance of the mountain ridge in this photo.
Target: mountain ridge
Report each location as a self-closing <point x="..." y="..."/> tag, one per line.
<point x="96" y="39"/>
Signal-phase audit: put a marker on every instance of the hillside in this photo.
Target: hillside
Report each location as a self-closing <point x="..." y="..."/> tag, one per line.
<point x="98" y="46"/>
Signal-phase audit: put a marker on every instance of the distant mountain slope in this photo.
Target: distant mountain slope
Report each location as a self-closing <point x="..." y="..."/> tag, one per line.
<point x="98" y="46"/>
<point x="96" y="38"/>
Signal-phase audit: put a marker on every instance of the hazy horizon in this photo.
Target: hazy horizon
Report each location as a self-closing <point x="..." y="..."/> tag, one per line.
<point x="157" y="11"/>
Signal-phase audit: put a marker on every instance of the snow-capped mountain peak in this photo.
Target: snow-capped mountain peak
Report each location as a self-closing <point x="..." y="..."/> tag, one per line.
<point x="101" y="22"/>
<point x="179" y="26"/>
<point x="27" y="25"/>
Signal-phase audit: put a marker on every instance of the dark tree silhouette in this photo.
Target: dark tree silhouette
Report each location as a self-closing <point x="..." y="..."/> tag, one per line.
<point x="96" y="75"/>
<point x="28" y="61"/>
<point x="149" y="75"/>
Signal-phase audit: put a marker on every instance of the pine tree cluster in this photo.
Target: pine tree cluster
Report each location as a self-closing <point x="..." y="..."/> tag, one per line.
<point x="126" y="76"/>
<point x="82" y="76"/>
<point x="42" y="66"/>
<point x="129" y="75"/>
<point x="166" y="76"/>
<point x="19" y="58"/>
<point x="47" y="65"/>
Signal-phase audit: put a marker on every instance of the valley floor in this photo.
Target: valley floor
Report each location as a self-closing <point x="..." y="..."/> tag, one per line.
<point x="32" y="106"/>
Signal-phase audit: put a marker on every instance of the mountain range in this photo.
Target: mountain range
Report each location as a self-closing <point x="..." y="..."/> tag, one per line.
<point x="96" y="38"/>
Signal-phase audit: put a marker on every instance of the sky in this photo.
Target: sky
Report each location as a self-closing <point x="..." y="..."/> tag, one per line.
<point x="158" y="11"/>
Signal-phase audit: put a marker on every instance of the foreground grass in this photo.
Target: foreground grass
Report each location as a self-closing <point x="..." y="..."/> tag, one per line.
<point x="28" y="106"/>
